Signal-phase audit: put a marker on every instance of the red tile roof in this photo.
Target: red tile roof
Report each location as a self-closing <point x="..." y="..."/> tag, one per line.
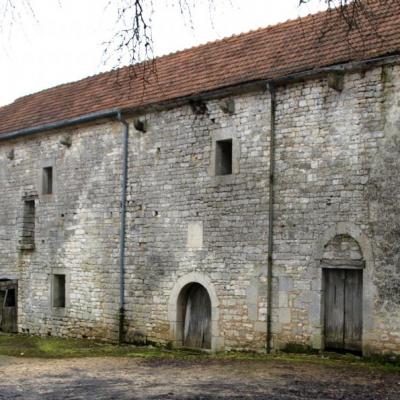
<point x="304" y="44"/>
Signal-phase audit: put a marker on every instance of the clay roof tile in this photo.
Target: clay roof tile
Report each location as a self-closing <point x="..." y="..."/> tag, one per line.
<point x="303" y="44"/>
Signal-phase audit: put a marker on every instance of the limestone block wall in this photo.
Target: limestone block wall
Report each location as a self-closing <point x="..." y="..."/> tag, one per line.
<point x="76" y="229"/>
<point x="173" y="194"/>
<point x="335" y="176"/>
<point x="335" y="162"/>
<point x="181" y="220"/>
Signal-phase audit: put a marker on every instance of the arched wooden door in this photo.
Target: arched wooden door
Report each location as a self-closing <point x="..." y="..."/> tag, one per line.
<point x="343" y="265"/>
<point x="343" y="309"/>
<point x="196" y="317"/>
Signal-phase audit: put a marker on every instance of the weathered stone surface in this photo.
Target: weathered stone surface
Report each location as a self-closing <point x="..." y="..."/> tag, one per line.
<point x="335" y="177"/>
<point x="333" y="149"/>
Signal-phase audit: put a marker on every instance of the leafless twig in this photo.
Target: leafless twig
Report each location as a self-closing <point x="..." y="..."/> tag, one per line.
<point x="11" y="11"/>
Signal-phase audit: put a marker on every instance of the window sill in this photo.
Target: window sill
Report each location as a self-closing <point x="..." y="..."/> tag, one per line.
<point x="224" y="179"/>
<point x="25" y="247"/>
<point x="58" y="311"/>
<point x="46" y="197"/>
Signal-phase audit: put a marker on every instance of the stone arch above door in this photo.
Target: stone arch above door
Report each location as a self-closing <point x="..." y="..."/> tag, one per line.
<point x="8" y="278"/>
<point x="344" y="228"/>
<point x="342" y="251"/>
<point x="174" y="319"/>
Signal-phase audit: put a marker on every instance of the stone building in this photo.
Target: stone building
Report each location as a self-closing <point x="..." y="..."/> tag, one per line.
<point x="245" y="197"/>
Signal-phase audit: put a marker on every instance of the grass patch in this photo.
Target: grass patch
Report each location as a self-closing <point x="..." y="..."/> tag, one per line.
<point x="53" y="347"/>
<point x="299" y="349"/>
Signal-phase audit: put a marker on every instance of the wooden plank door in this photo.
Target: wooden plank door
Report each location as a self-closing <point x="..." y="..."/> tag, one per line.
<point x="8" y="307"/>
<point x="343" y="309"/>
<point x="197" y="318"/>
<point x="2" y="298"/>
<point x="353" y="310"/>
<point x="334" y="308"/>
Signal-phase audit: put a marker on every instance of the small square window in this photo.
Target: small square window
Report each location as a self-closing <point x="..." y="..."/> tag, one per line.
<point x="47" y="180"/>
<point x="58" y="291"/>
<point x="223" y="157"/>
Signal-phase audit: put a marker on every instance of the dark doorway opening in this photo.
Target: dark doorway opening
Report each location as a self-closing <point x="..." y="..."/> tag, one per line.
<point x="343" y="310"/>
<point x="195" y="306"/>
<point x="8" y="305"/>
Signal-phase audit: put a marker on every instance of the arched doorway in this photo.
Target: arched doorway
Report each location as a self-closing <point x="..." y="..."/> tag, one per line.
<point x="343" y="265"/>
<point x="194" y="307"/>
<point x="177" y="309"/>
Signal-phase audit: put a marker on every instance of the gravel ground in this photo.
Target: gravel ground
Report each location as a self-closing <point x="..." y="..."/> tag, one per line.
<point x="132" y="378"/>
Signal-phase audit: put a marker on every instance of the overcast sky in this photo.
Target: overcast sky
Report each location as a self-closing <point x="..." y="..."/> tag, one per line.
<point x="64" y="40"/>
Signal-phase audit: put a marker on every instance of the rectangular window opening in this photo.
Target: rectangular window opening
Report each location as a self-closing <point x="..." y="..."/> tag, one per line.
<point x="59" y="290"/>
<point x="28" y="225"/>
<point x="47" y="185"/>
<point x="223" y="157"/>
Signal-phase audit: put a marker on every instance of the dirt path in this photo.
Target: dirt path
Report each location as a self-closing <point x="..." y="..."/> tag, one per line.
<point x="129" y="378"/>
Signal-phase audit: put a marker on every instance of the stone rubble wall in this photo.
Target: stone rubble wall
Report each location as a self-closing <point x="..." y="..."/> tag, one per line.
<point x="76" y="230"/>
<point x="329" y="145"/>
<point x="171" y="187"/>
<point x="335" y="174"/>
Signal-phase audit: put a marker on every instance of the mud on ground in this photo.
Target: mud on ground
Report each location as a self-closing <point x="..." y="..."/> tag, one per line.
<point x="133" y="378"/>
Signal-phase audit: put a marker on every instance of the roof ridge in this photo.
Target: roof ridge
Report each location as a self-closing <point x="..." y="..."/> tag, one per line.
<point x="60" y="85"/>
<point x="170" y="54"/>
<point x="236" y="35"/>
<point x="264" y="53"/>
<point x="279" y="25"/>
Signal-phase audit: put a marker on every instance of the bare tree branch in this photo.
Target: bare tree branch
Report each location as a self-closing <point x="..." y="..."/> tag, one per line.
<point x="11" y="12"/>
<point x="132" y="43"/>
<point x="360" y="18"/>
<point x="355" y="12"/>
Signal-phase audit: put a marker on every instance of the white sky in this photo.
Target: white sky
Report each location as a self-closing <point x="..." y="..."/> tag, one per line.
<point x="63" y="42"/>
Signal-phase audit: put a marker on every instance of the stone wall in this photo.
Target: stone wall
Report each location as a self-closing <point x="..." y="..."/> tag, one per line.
<point x="329" y="145"/>
<point x="171" y="186"/>
<point x="335" y="156"/>
<point x="76" y="230"/>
